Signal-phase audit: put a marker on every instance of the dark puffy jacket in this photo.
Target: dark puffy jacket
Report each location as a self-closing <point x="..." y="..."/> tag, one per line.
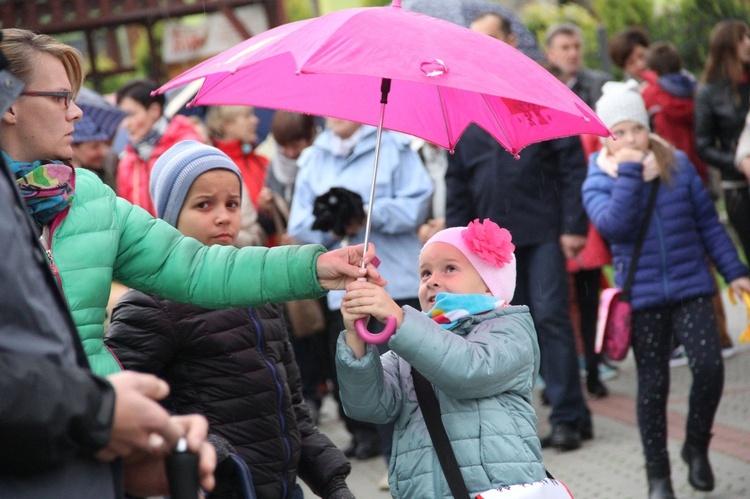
<point x="237" y="368"/>
<point x="684" y="229"/>
<point x="536" y="197"/>
<point x="719" y="120"/>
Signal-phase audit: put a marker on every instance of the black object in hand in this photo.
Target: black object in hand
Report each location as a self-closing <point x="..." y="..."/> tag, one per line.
<point x="182" y="472"/>
<point x="336" y="210"/>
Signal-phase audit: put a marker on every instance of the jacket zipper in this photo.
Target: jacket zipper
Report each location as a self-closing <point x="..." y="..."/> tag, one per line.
<point x="51" y="260"/>
<point x="280" y="391"/>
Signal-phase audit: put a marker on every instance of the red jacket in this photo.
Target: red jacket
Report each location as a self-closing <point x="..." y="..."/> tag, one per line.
<point x="672" y="119"/>
<point x="134" y="174"/>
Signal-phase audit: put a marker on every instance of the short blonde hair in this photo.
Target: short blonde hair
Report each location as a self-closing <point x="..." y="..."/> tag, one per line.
<point x="217" y="116"/>
<point x="21" y="47"/>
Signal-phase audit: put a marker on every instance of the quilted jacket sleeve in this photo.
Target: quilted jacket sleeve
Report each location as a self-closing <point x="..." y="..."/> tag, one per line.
<point x="141" y="334"/>
<point x="320" y="460"/>
<point x="154" y="257"/>
<point x="495" y="357"/>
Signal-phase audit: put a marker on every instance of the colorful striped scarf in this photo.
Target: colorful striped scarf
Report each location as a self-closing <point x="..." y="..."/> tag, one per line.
<point x="450" y="308"/>
<point x="46" y="187"/>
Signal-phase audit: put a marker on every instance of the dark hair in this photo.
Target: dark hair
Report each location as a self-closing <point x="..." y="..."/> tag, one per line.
<point x="288" y="127"/>
<point x="567" y="29"/>
<point x="722" y="62"/>
<point x="505" y="25"/>
<point x="140" y="91"/>
<point x="623" y="44"/>
<point x="664" y="58"/>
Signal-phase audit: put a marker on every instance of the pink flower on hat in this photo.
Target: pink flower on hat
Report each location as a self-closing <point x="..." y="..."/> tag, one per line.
<point x="488" y="241"/>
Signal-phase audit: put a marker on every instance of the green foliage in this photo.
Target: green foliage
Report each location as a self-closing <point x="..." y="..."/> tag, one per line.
<point x="618" y="15"/>
<point x="688" y="23"/>
<point x="375" y="3"/>
<point x="540" y="16"/>
<point x="296" y="10"/>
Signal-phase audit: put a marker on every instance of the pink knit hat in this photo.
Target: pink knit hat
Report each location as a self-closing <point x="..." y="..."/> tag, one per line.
<point x="490" y="251"/>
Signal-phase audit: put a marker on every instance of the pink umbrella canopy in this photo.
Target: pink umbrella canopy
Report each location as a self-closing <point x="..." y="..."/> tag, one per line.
<point x="434" y="77"/>
<point x="442" y="78"/>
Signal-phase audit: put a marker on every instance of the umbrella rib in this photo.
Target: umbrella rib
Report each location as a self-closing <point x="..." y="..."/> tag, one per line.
<point x="445" y="118"/>
<point x="499" y="124"/>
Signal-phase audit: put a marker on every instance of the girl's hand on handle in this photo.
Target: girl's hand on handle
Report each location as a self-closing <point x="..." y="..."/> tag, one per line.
<point x="366" y="298"/>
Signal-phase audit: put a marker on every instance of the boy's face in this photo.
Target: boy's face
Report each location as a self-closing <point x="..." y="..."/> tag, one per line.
<point x="444" y="269"/>
<point x="211" y="211"/>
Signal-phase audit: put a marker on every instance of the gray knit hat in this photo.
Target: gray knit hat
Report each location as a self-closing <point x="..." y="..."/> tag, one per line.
<point x="621" y="102"/>
<point x="176" y="170"/>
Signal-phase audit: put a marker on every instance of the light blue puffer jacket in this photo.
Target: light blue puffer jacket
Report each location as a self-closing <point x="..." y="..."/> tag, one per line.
<point x="483" y="372"/>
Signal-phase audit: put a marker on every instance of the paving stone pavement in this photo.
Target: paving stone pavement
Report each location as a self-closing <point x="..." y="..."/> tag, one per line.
<point x="611" y="465"/>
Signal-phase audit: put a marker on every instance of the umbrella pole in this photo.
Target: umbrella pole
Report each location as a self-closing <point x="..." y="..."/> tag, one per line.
<point x="360" y="325"/>
<point x="385" y="88"/>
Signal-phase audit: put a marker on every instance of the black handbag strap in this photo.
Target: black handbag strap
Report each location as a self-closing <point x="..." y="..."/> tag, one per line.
<point x="625" y="295"/>
<point x="428" y="402"/>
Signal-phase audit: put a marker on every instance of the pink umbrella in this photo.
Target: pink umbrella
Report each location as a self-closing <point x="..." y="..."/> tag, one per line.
<point x="436" y="77"/>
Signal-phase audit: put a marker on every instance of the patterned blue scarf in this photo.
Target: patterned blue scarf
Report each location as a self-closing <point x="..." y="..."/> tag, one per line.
<point x="46" y="187"/>
<point x="450" y="308"/>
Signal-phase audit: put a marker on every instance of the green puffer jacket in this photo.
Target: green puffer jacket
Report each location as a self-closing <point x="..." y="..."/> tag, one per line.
<point x="104" y="238"/>
<point x="482" y="370"/>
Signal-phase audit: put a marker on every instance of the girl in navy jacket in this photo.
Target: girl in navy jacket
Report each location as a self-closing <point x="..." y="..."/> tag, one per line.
<point x="672" y="288"/>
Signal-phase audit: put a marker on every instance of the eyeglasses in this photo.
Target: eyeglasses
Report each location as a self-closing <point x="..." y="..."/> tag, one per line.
<point x="66" y="96"/>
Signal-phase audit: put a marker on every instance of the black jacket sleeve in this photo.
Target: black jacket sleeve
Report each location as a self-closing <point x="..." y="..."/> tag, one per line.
<point x="320" y="460"/>
<point x="49" y="413"/>
<point x="140" y="333"/>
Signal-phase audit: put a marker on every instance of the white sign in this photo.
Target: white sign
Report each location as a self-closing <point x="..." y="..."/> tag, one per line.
<point x="186" y="42"/>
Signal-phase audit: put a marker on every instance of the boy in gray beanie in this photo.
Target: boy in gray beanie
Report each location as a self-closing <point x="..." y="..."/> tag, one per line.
<point x="235" y="366"/>
<point x="176" y="170"/>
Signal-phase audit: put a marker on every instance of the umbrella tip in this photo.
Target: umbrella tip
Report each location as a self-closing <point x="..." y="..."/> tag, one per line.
<point x="396" y="3"/>
<point x="516" y="155"/>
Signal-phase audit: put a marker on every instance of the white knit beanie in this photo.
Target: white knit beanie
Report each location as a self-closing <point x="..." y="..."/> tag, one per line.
<point x="621" y="101"/>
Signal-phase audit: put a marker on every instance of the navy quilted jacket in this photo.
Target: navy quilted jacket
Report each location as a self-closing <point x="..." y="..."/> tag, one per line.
<point x="683" y="231"/>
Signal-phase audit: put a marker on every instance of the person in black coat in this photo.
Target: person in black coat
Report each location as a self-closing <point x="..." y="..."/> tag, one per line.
<point x="538" y="199"/>
<point x="235" y="366"/>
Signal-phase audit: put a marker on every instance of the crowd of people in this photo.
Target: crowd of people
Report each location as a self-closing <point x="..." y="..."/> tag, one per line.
<point x="245" y="270"/>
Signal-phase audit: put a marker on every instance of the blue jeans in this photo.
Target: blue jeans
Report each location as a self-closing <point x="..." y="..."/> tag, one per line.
<point x="542" y="284"/>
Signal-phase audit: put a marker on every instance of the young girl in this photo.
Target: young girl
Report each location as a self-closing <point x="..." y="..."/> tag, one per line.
<point x="480" y="354"/>
<point x="673" y="285"/>
<point x="235" y="366"/>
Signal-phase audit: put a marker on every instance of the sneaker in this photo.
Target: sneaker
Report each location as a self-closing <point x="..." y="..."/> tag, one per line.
<point x="607" y="372"/>
<point x="383" y="483"/>
<point x="728" y="351"/>
<point x="678" y="357"/>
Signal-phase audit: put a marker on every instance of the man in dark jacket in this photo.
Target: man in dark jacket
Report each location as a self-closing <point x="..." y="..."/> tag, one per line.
<point x="538" y="199"/>
<point x="62" y="429"/>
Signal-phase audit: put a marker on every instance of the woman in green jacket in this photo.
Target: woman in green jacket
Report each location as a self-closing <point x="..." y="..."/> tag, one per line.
<point x="93" y="237"/>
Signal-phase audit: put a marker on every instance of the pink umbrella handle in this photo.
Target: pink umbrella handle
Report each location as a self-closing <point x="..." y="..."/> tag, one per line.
<point x="376" y="339"/>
